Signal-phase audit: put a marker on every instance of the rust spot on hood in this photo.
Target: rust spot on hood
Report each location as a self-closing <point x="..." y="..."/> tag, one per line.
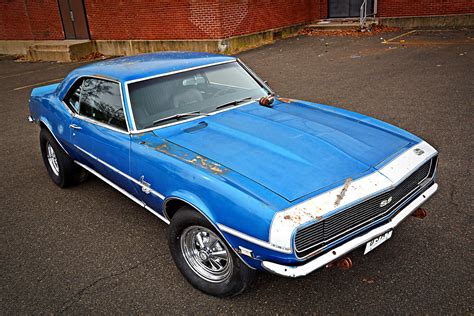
<point x="341" y="195"/>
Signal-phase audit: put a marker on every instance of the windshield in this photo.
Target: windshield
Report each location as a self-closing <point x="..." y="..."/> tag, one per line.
<point x="198" y="91"/>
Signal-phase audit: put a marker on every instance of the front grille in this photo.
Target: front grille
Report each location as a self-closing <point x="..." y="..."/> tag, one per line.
<point x="317" y="235"/>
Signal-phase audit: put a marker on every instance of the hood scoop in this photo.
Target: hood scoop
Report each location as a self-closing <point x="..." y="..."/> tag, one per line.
<point x="196" y="128"/>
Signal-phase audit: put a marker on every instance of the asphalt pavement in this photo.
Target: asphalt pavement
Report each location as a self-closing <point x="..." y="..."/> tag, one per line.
<point x="89" y="249"/>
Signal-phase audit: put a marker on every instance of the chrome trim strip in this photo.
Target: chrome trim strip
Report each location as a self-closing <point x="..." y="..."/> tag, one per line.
<point x="255" y="76"/>
<point x="178" y="71"/>
<point x="212" y="223"/>
<point x="161" y="196"/>
<point x="157" y="214"/>
<point x="323" y="260"/>
<point x="102" y="124"/>
<point x="251" y="239"/>
<point x="116" y="187"/>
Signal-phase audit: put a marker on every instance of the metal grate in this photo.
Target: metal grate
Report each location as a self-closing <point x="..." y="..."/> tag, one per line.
<point x="318" y="234"/>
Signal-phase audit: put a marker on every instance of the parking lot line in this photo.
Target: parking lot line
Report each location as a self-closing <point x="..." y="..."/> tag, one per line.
<point x="43" y="69"/>
<point x="37" y="84"/>
<point x="399" y="36"/>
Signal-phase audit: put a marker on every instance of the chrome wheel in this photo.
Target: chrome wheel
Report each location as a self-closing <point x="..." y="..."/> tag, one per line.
<point x="52" y="159"/>
<point x="206" y="254"/>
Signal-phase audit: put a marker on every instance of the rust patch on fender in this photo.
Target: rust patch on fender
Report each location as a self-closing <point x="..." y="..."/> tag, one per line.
<point x="198" y="160"/>
<point x="139" y="135"/>
<point x="295" y="218"/>
<point x="285" y="100"/>
<point x="341" y="195"/>
<point x="302" y="216"/>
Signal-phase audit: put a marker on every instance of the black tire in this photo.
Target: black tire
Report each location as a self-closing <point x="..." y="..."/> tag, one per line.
<point x="239" y="277"/>
<point x="67" y="172"/>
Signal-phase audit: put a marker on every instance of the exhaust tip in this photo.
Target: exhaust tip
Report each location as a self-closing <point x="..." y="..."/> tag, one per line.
<point x="344" y="263"/>
<point x="420" y="213"/>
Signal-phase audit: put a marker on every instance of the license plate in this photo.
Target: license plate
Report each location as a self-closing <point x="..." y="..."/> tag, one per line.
<point x="374" y="243"/>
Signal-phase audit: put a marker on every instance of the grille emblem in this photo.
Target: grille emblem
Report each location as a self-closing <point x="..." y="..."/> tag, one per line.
<point x="385" y="202"/>
<point x="419" y="151"/>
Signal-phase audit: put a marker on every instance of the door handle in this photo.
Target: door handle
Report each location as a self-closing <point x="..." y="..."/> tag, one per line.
<point x="146" y="187"/>
<point x="74" y="126"/>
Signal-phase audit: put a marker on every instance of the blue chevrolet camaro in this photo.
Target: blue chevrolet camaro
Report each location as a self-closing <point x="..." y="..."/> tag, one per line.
<point x="246" y="180"/>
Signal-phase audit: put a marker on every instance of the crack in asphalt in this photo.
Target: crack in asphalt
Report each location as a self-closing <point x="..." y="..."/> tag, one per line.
<point x="78" y="295"/>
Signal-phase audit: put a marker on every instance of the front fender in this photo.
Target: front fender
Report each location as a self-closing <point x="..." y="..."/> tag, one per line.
<point x="199" y="205"/>
<point x="250" y="249"/>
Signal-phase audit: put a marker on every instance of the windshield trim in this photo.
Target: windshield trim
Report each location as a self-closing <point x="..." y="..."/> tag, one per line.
<point x="133" y="129"/>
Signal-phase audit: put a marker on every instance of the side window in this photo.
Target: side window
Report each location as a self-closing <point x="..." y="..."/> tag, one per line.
<point x="101" y="101"/>
<point x="72" y="97"/>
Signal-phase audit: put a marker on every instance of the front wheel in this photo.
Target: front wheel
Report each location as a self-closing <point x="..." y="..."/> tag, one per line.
<point x="204" y="258"/>
<point x="61" y="168"/>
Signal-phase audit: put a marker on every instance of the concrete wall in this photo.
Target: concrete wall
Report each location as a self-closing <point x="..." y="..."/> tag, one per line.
<point x="430" y="21"/>
<point x="230" y="45"/>
<point x="399" y="8"/>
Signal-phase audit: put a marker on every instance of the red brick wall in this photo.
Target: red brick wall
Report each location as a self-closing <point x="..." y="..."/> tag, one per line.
<point x="141" y="19"/>
<point x="243" y="17"/>
<point x="34" y="19"/>
<point x="395" y="8"/>
<point x="190" y="19"/>
<point x="193" y="19"/>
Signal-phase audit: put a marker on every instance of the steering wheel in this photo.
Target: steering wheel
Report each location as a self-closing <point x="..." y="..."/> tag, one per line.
<point x="114" y="115"/>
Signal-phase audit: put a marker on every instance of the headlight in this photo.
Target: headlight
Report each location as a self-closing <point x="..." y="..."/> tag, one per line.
<point x="285" y="222"/>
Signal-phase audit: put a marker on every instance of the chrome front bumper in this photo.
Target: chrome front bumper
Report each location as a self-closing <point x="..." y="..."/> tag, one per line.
<point x="335" y="253"/>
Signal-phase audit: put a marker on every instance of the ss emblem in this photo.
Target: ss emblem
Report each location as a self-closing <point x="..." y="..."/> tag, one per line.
<point x="385" y="202"/>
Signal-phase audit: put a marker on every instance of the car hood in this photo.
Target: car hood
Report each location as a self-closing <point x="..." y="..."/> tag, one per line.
<point x="294" y="148"/>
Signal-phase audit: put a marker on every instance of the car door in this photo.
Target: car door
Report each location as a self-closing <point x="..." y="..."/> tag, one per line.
<point x="99" y="131"/>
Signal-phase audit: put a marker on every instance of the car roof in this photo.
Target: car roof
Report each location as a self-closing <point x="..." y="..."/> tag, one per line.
<point x="147" y="65"/>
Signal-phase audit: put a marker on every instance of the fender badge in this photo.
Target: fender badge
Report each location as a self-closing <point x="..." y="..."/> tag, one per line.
<point x="419" y="151"/>
<point x="385" y="202"/>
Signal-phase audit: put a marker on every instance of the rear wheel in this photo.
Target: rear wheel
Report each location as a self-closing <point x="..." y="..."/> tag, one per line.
<point x="61" y="168"/>
<point x="204" y="258"/>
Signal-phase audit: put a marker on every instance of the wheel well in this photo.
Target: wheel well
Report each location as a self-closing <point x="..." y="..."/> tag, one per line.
<point x="173" y="205"/>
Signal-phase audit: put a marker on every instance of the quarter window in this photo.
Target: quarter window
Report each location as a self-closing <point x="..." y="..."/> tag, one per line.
<point x="101" y="101"/>
<point x="73" y="96"/>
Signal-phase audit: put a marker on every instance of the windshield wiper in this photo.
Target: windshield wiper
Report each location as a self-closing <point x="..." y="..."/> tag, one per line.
<point x="178" y="116"/>
<point x="233" y="103"/>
